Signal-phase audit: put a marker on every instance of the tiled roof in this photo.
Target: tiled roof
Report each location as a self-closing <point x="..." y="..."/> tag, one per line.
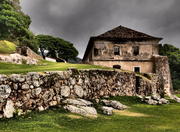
<point x="125" y="33"/>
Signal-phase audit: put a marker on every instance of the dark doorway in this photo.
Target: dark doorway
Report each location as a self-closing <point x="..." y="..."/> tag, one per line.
<point x="137" y="69"/>
<point x="24" y="51"/>
<point x="137" y="85"/>
<point x="117" y="67"/>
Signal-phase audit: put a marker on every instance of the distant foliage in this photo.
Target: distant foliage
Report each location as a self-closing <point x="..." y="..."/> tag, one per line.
<point x="56" y="47"/>
<point x="14" y="24"/>
<point x="173" y="54"/>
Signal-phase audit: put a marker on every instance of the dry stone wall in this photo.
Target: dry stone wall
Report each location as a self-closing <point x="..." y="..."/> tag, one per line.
<point x="163" y="71"/>
<point x="38" y="91"/>
<point x="26" y="51"/>
<point x="18" y="59"/>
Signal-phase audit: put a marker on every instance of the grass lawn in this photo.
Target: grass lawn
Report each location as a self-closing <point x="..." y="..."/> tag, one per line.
<point x="8" y="68"/>
<point x="139" y="118"/>
<point x="7" y="47"/>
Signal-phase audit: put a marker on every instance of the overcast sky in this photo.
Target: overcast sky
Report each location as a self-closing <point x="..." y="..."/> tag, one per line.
<point x="77" y="20"/>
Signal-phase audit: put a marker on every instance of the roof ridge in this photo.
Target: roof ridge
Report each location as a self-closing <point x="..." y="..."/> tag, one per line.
<point x="124" y="32"/>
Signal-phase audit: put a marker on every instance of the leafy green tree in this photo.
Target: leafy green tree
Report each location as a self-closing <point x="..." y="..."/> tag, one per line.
<point x="57" y="48"/>
<point x="45" y="42"/>
<point x="14" y="24"/>
<point x="173" y="54"/>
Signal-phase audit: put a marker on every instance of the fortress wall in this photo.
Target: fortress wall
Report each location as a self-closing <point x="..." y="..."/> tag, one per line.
<point x="39" y="91"/>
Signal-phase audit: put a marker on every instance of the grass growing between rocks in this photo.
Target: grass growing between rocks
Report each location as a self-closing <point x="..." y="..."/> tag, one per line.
<point x="139" y="118"/>
<point x="9" y="68"/>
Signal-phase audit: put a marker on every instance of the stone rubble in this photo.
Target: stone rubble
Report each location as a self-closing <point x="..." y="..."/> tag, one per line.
<point x="114" y="104"/>
<point x="174" y="97"/>
<point x="79" y="106"/>
<point x="154" y="100"/>
<point x="107" y="110"/>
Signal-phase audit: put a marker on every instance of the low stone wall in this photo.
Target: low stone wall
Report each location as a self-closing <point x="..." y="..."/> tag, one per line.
<point x="18" y="59"/>
<point x="26" y="51"/>
<point x="39" y="91"/>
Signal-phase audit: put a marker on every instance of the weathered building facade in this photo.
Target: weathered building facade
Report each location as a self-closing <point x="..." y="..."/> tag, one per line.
<point x="123" y="48"/>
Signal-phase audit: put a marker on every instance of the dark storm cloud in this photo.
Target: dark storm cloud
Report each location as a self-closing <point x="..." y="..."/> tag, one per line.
<point x="77" y="20"/>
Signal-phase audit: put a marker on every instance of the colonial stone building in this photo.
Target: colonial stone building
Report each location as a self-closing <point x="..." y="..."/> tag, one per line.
<point x="123" y="48"/>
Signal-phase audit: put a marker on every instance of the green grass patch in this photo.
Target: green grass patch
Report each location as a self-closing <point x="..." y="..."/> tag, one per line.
<point x="9" y="68"/>
<point x="7" y="47"/>
<point x="178" y="95"/>
<point x="164" y="118"/>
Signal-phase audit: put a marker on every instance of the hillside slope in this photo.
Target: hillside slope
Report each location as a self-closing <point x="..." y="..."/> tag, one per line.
<point x="7" y="47"/>
<point x="9" y="68"/>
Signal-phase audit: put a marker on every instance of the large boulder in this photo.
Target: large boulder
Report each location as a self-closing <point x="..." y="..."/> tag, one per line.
<point x="114" y="104"/>
<point x="163" y="101"/>
<point x="9" y="109"/>
<point x="151" y="101"/>
<point x="154" y="100"/>
<point x="77" y="102"/>
<point x="87" y="103"/>
<point x="79" y="106"/>
<point x="82" y="110"/>
<point x="107" y="110"/>
<point x="89" y="110"/>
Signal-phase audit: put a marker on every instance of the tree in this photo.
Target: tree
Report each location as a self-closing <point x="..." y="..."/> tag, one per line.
<point x="14" y="24"/>
<point x="57" y="48"/>
<point x="173" y="54"/>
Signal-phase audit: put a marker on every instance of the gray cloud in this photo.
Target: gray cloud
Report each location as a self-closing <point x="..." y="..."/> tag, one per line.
<point x="77" y="20"/>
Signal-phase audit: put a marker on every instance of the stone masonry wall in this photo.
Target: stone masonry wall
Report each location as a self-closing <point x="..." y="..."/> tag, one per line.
<point x="26" y="51"/>
<point x="38" y="91"/>
<point x="163" y="71"/>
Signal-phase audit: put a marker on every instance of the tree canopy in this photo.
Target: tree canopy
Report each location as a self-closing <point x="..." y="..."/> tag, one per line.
<point x="56" y="47"/>
<point x="15" y="24"/>
<point x="173" y="54"/>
